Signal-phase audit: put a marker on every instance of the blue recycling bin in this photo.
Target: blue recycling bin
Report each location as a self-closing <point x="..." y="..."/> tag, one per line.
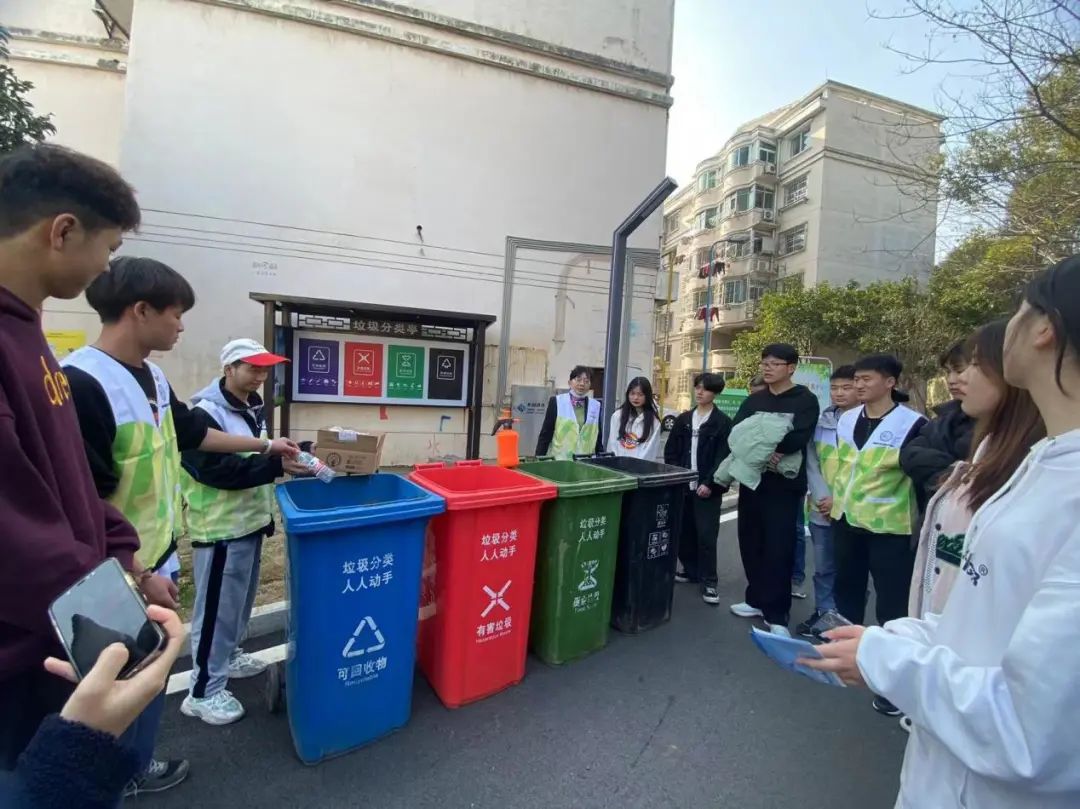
<point x="355" y="548"/>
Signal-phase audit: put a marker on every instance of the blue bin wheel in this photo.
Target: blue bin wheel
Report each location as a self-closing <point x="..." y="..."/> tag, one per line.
<point x="275" y="688"/>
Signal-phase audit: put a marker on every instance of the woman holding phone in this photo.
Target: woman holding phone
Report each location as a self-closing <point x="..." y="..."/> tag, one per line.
<point x="991" y="683"/>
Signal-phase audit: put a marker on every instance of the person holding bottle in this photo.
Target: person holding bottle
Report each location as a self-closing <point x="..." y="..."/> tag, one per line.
<point x="230" y="510"/>
<point x="634" y="431"/>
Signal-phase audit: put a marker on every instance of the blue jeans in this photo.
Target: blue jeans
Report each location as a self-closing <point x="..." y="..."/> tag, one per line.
<point x="798" y="573"/>
<point x="141" y="736"/>
<point x="824" y="567"/>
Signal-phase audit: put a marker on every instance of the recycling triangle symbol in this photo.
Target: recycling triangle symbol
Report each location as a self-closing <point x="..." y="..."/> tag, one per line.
<point x="380" y="642"/>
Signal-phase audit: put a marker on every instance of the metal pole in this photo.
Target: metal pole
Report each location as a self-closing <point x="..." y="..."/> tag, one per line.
<point x="615" y="295"/>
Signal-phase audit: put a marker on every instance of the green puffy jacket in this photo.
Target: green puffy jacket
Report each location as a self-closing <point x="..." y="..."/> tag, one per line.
<point x="752" y="444"/>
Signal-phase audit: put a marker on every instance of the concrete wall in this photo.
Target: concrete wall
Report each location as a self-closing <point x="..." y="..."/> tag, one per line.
<point x="67" y="16"/>
<point x="277" y="155"/>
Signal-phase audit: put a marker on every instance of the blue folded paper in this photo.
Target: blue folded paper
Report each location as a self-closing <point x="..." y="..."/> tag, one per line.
<point x="785" y="651"/>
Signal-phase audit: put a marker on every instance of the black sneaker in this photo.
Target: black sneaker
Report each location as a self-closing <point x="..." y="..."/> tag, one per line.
<point x="160" y="776"/>
<point x="710" y="595"/>
<point x="886" y="708"/>
<point x="797" y="590"/>
<point x="805" y="628"/>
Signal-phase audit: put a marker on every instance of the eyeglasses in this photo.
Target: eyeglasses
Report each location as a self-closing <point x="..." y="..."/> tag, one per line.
<point x="766" y="365"/>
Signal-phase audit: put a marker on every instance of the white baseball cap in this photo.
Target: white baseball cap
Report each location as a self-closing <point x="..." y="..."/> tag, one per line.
<point x="250" y="351"/>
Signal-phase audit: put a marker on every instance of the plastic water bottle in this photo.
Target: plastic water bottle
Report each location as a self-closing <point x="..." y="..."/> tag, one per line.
<point x="321" y="470"/>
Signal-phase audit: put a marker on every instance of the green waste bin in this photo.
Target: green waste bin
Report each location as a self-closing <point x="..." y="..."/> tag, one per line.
<point x="575" y="562"/>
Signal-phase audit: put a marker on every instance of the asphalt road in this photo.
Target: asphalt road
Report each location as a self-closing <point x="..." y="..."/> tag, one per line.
<point x="687" y="715"/>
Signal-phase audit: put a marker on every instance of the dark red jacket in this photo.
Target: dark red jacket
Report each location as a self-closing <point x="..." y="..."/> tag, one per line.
<point x="53" y="526"/>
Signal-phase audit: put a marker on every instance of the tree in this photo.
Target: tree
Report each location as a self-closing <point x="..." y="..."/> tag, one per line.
<point x="18" y="123"/>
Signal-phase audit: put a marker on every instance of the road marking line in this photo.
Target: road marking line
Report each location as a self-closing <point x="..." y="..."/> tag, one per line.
<point x="181" y="681"/>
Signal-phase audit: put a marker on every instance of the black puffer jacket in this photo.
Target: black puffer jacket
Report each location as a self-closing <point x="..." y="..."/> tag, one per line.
<point x="942" y="442"/>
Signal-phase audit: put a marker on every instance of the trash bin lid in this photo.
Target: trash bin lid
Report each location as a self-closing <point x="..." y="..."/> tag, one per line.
<point x="472" y="484"/>
<point x="648" y="473"/>
<point x="309" y="505"/>
<point x="579" y="480"/>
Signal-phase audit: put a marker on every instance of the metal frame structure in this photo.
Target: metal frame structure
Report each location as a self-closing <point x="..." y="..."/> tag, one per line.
<point x="340" y="314"/>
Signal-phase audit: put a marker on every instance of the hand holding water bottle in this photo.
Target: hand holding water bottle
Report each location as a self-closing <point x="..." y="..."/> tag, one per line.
<point x="313" y="466"/>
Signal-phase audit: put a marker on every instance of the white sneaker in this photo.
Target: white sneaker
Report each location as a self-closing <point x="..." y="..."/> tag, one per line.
<point x="242" y="666"/>
<point x="905" y="723"/>
<point x="744" y="610"/>
<point x="220" y="709"/>
<point x="779" y="630"/>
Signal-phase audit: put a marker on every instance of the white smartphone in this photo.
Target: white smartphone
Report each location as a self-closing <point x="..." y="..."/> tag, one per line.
<point x="102" y="609"/>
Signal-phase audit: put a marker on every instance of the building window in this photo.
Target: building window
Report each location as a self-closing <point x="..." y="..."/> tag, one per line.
<point x="686" y="382"/>
<point x="791" y="241"/>
<point x="735" y="291"/>
<point x="764" y="198"/>
<point x="742" y="249"/>
<point x="740" y="157"/>
<point x="706" y="180"/>
<point x="799" y="142"/>
<point x="706" y="219"/>
<point x="671" y="223"/>
<point x="739" y="201"/>
<point x="767" y="153"/>
<point x="792" y="282"/>
<point x="701" y="298"/>
<point x="795" y="191"/>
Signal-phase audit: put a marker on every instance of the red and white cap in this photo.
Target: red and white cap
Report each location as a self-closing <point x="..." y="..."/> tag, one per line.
<point x="250" y="351"/>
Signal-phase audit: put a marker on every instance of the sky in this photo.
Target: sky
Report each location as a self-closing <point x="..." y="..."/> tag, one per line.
<point x="737" y="59"/>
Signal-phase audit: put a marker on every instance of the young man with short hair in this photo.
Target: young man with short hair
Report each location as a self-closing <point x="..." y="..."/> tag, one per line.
<point x="768" y="515"/>
<point x="230" y="509"/>
<point x="821" y="468"/>
<point x="699" y="441"/>
<point x="944" y="440"/>
<point x="873" y="507"/>
<point x="61" y="215"/>
<point x="134" y="429"/>
<point x="572" y="421"/>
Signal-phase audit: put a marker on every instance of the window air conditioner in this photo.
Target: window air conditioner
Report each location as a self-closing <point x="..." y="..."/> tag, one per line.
<point x="768" y="215"/>
<point x="770" y="168"/>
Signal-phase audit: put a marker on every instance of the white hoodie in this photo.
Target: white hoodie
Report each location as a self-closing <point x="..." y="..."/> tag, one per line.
<point x="632" y="446"/>
<point x="992" y="685"/>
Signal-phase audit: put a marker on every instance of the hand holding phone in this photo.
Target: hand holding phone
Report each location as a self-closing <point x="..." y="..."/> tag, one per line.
<point x="103" y="701"/>
<point x="102" y="609"/>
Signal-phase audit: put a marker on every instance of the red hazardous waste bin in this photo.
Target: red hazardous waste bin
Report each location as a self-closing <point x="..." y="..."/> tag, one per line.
<point x="476" y="593"/>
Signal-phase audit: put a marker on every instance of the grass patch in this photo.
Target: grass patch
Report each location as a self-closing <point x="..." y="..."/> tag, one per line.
<point x="271" y="577"/>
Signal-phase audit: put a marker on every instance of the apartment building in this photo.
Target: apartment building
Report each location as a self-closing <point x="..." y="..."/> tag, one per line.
<point x="822" y="190"/>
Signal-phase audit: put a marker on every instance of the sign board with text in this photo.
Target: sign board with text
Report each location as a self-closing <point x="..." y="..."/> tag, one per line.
<point x="358" y="369"/>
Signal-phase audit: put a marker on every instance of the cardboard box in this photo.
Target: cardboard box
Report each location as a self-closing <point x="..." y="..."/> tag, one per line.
<point x="348" y="452"/>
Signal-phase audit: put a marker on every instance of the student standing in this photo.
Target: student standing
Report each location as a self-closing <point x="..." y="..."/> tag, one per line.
<point x="61" y="215"/>
<point x="768" y="515"/>
<point x="572" y="422"/>
<point x="822" y="464"/>
<point x="945" y="439"/>
<point x="873" y="507"/>
<point x="699" y="442"/>
<point x="990" y="684"/>
<point x="230" y="509"/>
<point x="634" y="431"/>
<point x="134" y="429"/>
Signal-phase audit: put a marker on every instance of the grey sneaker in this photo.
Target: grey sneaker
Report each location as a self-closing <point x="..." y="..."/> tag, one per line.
<point x="221" y="708"/>
<point x="159" y="777"/>
<point x="744" y="610"/>
<point x="242" y="666"/>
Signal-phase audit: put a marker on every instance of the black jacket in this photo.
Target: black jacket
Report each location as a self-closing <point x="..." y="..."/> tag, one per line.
<point x="69" y="765"/>
<point x="805" y="409"/>
<point x="940" y="443"/>
<point x="711" y="450"/>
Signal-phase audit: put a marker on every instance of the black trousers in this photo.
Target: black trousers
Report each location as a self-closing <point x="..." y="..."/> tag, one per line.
<point x="25" y="700"/>
<point x="889" y="558"/>
<point x="697" y="541"/>
<point x="767" y="545"/>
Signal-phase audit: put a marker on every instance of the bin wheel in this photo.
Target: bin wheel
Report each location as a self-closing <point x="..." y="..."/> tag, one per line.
<point x="275" y="688"/>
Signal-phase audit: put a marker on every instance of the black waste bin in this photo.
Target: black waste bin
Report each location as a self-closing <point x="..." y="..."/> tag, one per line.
<point x="652" y="517"/>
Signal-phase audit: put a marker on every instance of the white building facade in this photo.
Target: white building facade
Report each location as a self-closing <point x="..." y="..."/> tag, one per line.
<point x="823" y="190"/>
<point x="374" y="152"/>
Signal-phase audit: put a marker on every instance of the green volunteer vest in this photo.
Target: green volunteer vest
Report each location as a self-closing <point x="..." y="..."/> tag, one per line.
<point x="145" y="456"/>
<point x="828" y="456"/>
<point x="217" y="514"/>
<point x="871" y="489"/>
<point x="572" y="438"/>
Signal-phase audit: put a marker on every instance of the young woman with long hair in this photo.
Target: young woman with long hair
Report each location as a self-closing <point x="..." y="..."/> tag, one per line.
<point x="1007" y="425"/>
<point x="634" y="431"/>
<point x="991" y="683"/>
